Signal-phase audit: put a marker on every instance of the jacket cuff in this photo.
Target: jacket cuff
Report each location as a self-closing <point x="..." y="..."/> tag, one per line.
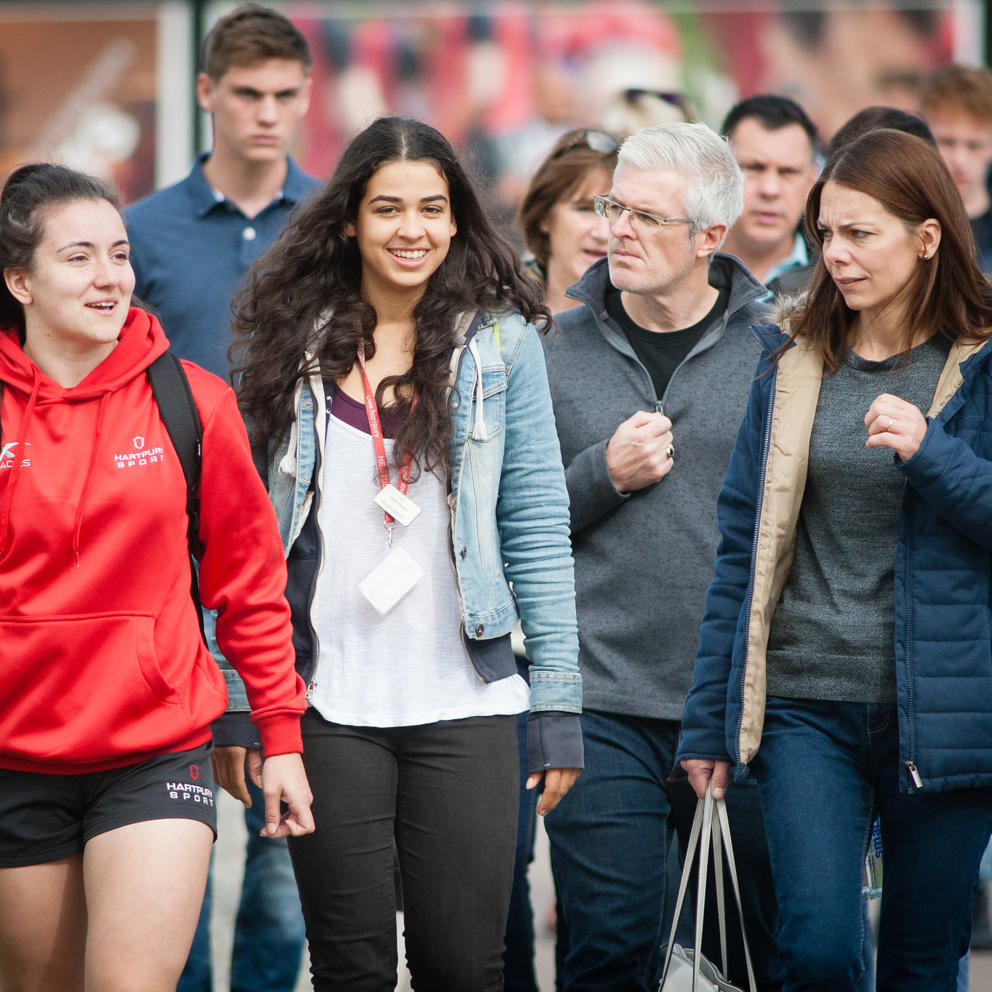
<point x="551" y="689"/>
<point x="554" y="740"/>
<point x="701" y="744"/>
<point x="234" y="730"/>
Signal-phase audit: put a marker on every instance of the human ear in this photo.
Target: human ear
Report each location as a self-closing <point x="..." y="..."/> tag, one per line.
<point x="710" y="239"/>
<point x="349" y="229"/>
<point x="205" y="93"/>
<point x="929" y="235"/>
<point x="18" y="284"/>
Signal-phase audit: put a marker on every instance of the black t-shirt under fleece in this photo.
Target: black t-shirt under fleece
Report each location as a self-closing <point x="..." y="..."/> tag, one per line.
<point x="661" y="353"/>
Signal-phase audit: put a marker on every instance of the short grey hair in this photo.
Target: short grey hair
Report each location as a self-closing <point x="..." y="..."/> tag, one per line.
<point x="715" y="186"/>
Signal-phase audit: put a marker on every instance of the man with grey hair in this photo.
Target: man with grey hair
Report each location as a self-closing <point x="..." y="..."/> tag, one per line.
<point x="649" y="378"/>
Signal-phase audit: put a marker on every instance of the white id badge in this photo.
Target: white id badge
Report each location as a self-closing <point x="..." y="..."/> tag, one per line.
<point x="390" y="580"/>
<point x="399" y="506"/>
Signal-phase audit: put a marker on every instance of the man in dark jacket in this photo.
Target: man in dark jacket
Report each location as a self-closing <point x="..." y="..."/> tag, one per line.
<point x="775" y="145"/>
<point x="649" y="379"/>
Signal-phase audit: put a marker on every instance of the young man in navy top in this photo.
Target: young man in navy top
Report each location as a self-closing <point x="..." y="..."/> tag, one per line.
<point x="192" y="243"/>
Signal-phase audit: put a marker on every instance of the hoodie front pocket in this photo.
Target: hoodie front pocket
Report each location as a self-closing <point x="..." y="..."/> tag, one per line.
<point x="85" y="688"/>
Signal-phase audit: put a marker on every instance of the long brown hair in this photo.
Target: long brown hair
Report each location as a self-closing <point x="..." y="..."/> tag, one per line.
<point x="303" y="296"/>
<point x="949" y="294"/>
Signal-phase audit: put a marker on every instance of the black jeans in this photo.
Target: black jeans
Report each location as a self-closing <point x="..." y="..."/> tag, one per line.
<point x="448" y="791"/>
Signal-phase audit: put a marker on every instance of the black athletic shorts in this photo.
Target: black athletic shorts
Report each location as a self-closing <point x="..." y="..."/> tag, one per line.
<point x="47" y="817"/>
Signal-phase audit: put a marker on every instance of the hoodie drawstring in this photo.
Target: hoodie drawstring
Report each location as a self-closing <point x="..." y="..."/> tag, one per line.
<point x="77" y="526"/>
<point x="15" y="474"/>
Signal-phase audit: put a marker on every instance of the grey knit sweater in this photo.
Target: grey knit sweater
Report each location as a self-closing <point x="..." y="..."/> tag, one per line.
<point x="831" y="635"/>
<point x="643" y="561"/>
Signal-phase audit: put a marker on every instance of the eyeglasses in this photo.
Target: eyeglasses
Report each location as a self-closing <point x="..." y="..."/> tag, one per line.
<point x="612" y="211"/>
<point x="593" y="139"/>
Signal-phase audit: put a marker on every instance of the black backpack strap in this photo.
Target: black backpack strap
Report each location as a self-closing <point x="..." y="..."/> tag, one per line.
<point x="182" y="421"/>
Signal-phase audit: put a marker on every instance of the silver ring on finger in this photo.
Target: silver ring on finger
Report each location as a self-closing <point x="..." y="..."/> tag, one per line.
<point x="670" y="451"/>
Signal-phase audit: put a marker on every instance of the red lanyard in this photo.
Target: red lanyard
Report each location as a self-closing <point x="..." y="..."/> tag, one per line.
<point x="375" y="428"/>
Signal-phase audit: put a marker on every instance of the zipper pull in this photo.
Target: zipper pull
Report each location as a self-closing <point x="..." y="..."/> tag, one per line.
<point x="914" y="774"/>
<point x="311" y="685"/>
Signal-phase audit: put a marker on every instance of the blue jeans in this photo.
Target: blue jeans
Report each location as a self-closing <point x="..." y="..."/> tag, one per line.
<point x="269" y="933"/>
<point x="610" y="839"/>
<point x="518" y="960"/>
<point x="824" y="770"/>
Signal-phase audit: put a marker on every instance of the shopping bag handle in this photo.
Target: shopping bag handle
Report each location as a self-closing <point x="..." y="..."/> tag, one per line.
<point x="704" y="837"/>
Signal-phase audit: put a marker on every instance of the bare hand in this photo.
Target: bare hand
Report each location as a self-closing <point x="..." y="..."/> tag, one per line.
<point x="894" y="423"/>
<point x="283" y="780"/>
<point x="640" y="452"/>
<point x="229" y="771"/>
<point x="704" y="770"/>
<point x="557" y="781"/>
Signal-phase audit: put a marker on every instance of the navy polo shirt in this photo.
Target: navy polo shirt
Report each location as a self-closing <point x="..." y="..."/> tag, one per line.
<point x="191" y="248"/>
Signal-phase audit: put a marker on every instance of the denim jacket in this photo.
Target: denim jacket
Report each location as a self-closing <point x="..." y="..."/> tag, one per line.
<point x="509" y="530"/>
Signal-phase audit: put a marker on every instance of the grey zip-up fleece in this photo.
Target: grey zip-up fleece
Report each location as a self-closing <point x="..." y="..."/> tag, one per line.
<point x="643" y="560"/>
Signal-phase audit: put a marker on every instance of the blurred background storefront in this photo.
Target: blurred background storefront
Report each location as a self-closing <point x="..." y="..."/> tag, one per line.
<point x="108" y="86"/>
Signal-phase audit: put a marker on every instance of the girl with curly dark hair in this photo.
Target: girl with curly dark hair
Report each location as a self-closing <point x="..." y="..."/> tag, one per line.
<point x="392" y="375"/>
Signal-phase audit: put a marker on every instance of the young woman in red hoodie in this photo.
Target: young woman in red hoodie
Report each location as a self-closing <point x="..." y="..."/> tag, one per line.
<point x="106" y="788"/>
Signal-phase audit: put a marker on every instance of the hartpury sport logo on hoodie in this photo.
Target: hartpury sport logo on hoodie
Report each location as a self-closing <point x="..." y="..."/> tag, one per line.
<point x="7" y="455"/>
<point x="140" y="456"/>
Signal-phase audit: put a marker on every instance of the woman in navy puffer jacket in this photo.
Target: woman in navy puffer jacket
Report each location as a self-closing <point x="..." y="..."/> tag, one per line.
<point x="846" y="650"/>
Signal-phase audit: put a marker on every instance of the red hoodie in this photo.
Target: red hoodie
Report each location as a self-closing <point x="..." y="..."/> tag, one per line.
<point x="101" y="660"/>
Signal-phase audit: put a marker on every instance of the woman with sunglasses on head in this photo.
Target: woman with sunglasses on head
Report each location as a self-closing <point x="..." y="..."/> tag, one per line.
<point x="564" y="235"/>
<point x="562" y="230"/>
<point x="846" y="650"/>
<point x="396" y="389"/>
<point x="107" y="810"/>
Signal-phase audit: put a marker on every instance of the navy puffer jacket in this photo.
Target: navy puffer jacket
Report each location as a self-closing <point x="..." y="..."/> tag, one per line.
<point x="943" y="621"/>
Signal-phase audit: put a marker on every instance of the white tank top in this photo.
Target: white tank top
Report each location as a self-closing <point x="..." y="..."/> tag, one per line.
<point x="409" y="666"/>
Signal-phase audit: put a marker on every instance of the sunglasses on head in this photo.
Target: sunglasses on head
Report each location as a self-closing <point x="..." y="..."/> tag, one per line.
<point x="593" y="139"/>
